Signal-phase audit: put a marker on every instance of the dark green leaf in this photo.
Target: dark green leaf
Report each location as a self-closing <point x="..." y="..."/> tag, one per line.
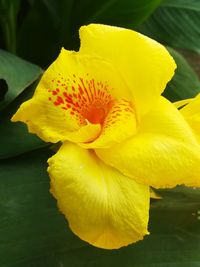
<point x="8" y="22"/>
<point x="185" y="83"/>
<point x="18" y="74"/>
<point x="52" y="24"/>
<point x="192" y="4"/>
<point x="125" y="13"/>
<point x="34" y="233"/>
<point x="14" y="136"/>
<point x="176" y="23"/>
<point x="39" y="36"/>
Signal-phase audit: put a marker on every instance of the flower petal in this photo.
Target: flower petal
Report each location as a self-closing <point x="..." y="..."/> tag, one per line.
<point x="65" y="93"/>
<point x="166" y="120"/>
<point x="145" y="65"/>
<point x="54" y="125"/>
<point x="85" y="133"/>
<point x="181" y="103"/>
<point x="103" y="207"/>
<point x="191" y="112"/>
<point x="164" y="153"/>
<point x="120" y="124"/>
<point x="192" y="107"/>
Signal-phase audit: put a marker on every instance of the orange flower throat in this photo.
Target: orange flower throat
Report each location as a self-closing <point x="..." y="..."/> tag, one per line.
<point x="84" y="98"/>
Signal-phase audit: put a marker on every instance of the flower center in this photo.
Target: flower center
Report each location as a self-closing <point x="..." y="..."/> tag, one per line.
<point x="85" y="99"/>
<point x="96" y="115"/>
<point x="97" y="111"/>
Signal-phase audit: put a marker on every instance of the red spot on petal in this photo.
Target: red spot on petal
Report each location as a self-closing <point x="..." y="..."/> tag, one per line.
<point x="54" y="92"/>
<point x="60" y="100"/>
<point x="77" y="104"/>
<point x="80" y="89"/>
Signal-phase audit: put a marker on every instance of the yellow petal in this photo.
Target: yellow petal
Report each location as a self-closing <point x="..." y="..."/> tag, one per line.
<point x="103" y="207"/>
<point x="68" y="96"/>
<point x="145" y="65"/>
<point x="166" y="120"/>
<point x="85" y="133"/>
<point x="194" y="122"/>
<point x="181" y="103"/>
<point x="191" y="112"/>
<point x="120" y="124"/>
<point x="53" y="125"/>
<point x="164" y="153"/>
<point x="192" y="108"/>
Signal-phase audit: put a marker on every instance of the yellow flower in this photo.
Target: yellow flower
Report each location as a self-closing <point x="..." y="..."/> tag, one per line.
<point x="119" y="135"/>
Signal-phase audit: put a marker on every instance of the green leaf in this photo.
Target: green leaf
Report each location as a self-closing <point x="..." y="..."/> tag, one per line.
<point x="175" y="23"/>
<point x="8" y="21"/>
<point x="16" y="74"/>
<point x="53" y="24"/>
<point x="34" y="233"/>
<point x="14" y="136"/>
<point x="42" y="26"/>
<point x="185" y="83"/>
<point x="125" y="13"/>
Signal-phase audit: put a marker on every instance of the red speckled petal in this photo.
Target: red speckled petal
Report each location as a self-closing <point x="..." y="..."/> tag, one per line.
<point x="76" y="90"/>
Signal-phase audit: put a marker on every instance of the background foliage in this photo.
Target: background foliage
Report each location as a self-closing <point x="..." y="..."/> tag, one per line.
<point x="32" y="231"/>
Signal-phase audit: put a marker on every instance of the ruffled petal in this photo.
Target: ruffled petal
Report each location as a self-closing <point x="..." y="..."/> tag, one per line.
<point x="103" y="207"/>
<point x="75" y="89"/>
<point x="145" y="65"/>
<point x="54" y="125"/>
<point x="164" y="153"/>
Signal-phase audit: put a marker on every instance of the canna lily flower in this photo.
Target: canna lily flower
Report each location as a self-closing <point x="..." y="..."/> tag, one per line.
<point x="119" y="135"/>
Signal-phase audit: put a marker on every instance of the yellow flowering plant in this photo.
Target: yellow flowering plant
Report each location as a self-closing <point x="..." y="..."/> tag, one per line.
<point x="119" y="135"/>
